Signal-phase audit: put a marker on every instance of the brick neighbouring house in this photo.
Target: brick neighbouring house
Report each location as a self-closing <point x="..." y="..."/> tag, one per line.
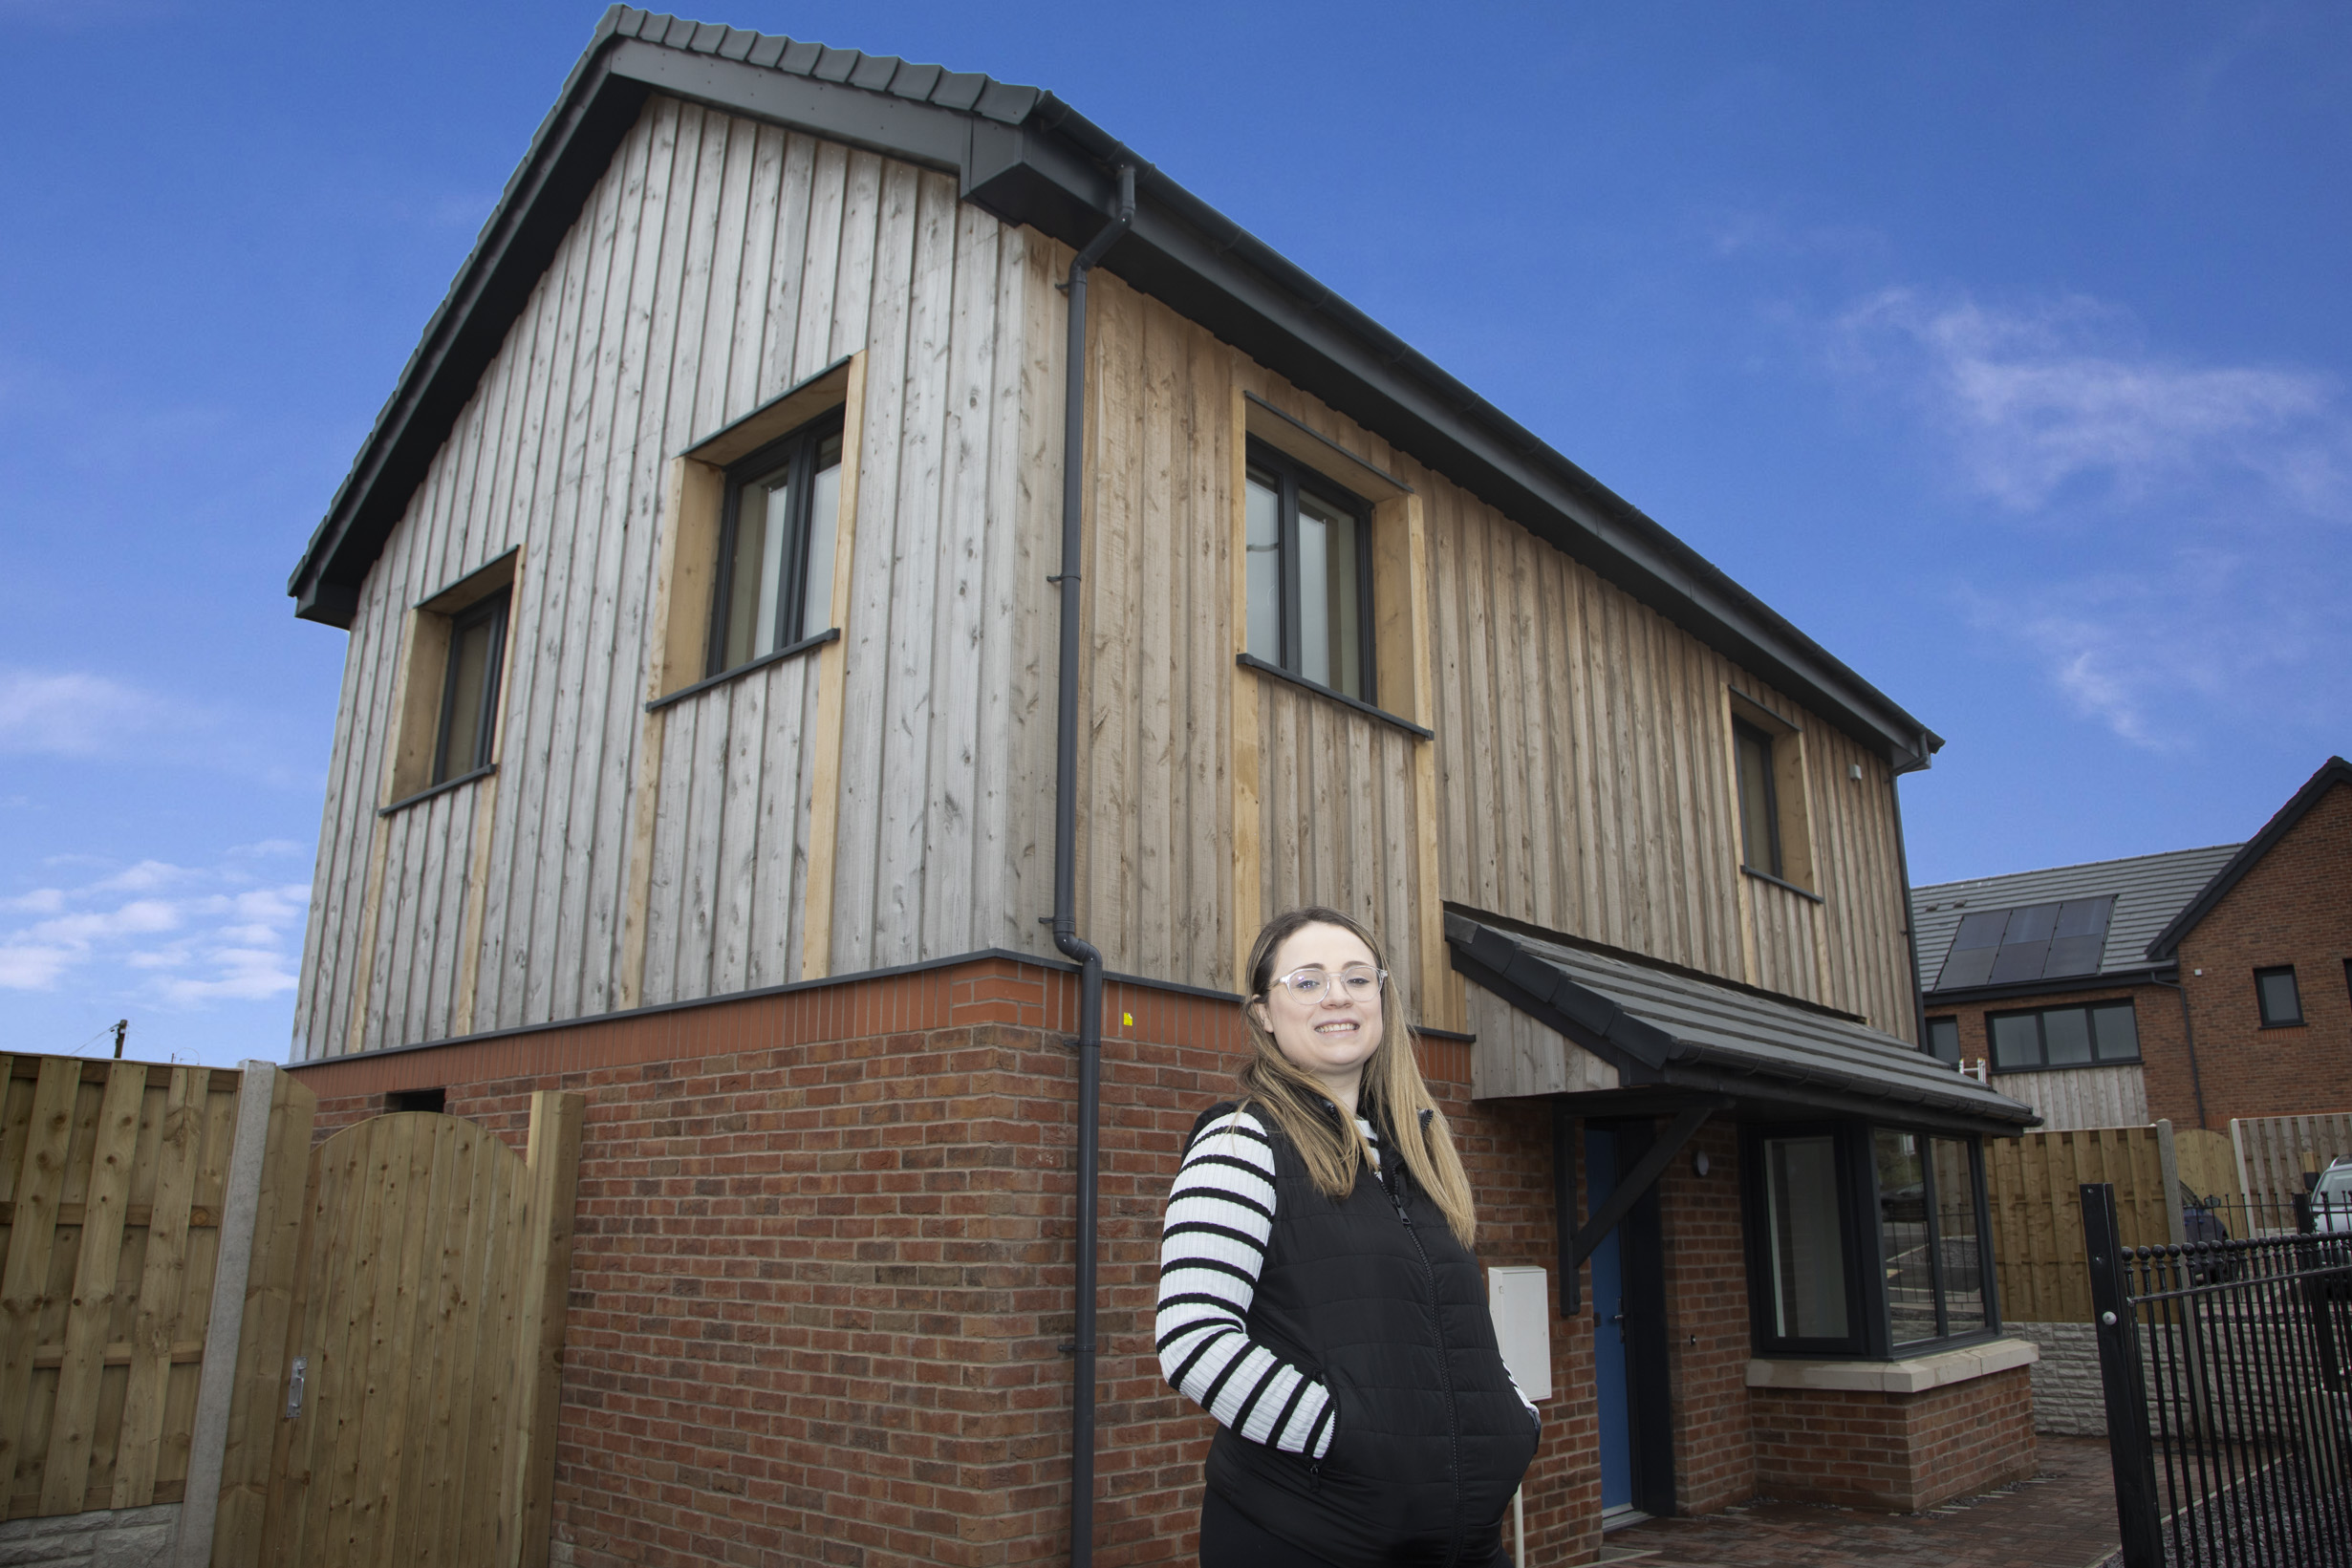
<point x="2187" y="942"/>
<point x="696" y="753"/>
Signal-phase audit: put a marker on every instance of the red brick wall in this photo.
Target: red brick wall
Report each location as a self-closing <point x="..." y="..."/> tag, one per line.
<point x="1897" y="1451"/>
<point x="1707" y="1310"/>
<point x="823" y="1268"/>
<point x="2294" y="907"/>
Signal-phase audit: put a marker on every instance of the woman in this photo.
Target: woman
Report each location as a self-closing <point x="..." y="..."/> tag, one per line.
<point x="1317" y="1291"/>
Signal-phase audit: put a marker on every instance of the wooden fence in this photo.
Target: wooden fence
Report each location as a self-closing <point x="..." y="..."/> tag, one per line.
<point x="2273" y="1153"/>
<point x="2033" y="1182"/>
<point x="111" y="1187"/>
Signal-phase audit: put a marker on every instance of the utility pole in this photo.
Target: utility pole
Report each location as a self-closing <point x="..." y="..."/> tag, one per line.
<point x="122" y="1027"/>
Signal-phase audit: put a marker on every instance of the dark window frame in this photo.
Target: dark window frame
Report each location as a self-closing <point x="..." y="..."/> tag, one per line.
<point x="795" y="448"/>
<point x="1744" y="735"/>
<point x="1927" y="1046"/>
<point x="1291" y="478"/>
<point x="492" y="608"/>
<point x="2262" y="1000"/>
<point x="1871" y="1330"/>
<point x="2041" y="1037"/>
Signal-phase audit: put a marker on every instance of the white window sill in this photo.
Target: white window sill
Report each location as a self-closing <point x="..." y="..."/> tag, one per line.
<point x="1916" y="1376"/>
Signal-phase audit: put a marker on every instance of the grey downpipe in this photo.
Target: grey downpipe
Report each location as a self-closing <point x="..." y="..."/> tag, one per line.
<point x="2189" y="1038"/>
<point x="1910" y="923"/>
<point x="1066" y="937"/>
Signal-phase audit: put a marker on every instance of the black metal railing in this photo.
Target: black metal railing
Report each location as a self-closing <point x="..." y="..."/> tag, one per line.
<point x="2224" y="1367"/>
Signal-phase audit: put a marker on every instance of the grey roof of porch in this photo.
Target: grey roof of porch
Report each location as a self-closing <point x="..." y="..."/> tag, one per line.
<point x="1675" y="1035"/>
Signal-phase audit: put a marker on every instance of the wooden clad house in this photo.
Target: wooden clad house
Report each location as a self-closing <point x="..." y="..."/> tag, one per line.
<point x="696" y="752"/>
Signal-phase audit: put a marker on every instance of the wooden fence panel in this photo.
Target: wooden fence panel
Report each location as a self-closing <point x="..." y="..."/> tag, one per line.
<point x="108" y="1245"/>
<point x="2273" y="1153"/>
<point x="2033" y="1184"/>
<point x="2208" y="1165"/>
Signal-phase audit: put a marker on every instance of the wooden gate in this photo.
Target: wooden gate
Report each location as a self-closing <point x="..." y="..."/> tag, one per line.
<point x="425" y="1327"/>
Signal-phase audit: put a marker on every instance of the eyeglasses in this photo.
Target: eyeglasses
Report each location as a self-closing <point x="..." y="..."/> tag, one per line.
<point x="1358" y="983"/>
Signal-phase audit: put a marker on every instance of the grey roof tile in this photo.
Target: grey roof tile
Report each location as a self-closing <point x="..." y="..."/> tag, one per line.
<point x="835" y="64"/>
<point x="873" y="73"/>
<point x="913" y="82"/>
<point x="1732" y="1031"/>
<point x="2148" y="890"/>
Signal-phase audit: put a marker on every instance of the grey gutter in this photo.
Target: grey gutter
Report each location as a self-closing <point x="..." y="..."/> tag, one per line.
<point x="1028" y="157"/>
<point x="2057" y="985"/>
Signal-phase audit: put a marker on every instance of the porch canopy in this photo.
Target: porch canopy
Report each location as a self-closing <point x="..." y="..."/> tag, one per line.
<point x="1602" y="1037"/>
<point x="1617" y="1038"/>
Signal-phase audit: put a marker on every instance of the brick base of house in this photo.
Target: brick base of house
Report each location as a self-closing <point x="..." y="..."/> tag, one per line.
<point x="1900" y="1452"/>
<point x="824" y="1260"/>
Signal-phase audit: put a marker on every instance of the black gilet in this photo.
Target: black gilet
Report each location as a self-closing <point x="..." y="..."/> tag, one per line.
<point x="1375" y="1297"/>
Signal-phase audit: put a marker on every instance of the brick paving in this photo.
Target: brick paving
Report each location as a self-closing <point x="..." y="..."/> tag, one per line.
<point x="2064" y="1518"/>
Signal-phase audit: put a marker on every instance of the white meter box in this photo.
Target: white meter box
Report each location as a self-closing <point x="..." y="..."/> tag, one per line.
<point x="1519" y="1302"/>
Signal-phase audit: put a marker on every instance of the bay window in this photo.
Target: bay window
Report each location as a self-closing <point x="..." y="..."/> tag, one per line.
<point x="1864" y="1242"/>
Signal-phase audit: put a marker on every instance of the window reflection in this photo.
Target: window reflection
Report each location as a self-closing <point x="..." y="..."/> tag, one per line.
<point x="1809" y="1251"/>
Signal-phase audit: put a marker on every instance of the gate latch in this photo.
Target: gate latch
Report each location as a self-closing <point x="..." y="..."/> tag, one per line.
<point x="293" y="1387"/>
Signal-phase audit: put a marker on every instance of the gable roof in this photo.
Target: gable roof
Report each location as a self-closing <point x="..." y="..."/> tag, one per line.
<point x="1678" y="1031"/>
<point x="1029" y="159"/>
<point x="2333" y="772"/>
<point x="2148" y="890"/>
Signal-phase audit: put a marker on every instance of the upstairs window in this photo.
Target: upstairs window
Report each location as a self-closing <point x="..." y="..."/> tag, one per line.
<point x="454" y="666"/>
<point x="1310" y="575"/>
<point x="2104" y="1034"/>
<point x="1944" y="1039"/>
<point x="465" y="737"/>
<point x="776" y="545"/>
<point x="1760" y="801"/>
<point x="2275" y="992"/>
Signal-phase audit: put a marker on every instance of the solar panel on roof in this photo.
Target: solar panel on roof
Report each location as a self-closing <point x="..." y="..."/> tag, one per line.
<point x="2029" y="942"/>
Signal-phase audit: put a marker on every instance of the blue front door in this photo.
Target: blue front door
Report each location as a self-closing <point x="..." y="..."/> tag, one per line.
<point x="1609" y="1357"/>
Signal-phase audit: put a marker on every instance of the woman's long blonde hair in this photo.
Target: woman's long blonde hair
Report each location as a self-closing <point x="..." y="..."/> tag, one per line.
<point x="1394" y="1098"/>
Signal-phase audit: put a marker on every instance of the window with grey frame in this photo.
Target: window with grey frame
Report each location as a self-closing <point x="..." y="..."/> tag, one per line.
<point x="1864" y="1242"/>
<point x="775" y="577"/>
<point x="2098" y="1034"/>
<point x="1760" y="803"/>
<point x="2275" y="993"/>
<point x="1309" y="571"/>
<point x="466" y="736"/>
<point x="1944" y="1039"/>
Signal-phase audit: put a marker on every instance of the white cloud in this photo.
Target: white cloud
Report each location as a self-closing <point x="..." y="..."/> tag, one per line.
<point x="2165" y="540"/>
<point x="73" y="714"/>
<point x="185" y="937"/>
<point x="2039" y="399"/>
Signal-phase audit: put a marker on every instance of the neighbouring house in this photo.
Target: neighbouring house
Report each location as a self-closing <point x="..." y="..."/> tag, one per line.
<point x="2197" y="986"/>
<point x="698" y="752"/>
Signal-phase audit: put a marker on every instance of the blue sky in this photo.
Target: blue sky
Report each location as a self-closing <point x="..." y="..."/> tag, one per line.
<point x="2003" y="347"/>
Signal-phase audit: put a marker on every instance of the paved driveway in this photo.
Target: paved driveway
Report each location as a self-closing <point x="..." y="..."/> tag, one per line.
<point x="2063" y="1518"/>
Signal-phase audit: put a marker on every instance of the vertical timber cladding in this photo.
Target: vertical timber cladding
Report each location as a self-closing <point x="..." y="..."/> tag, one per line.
<point x="112" y="1182"/>
<point x="1580" y="775"/>
<point x="1213" y="796"/>
<point x="428" y="1316"/>
<point x="717" y="262"/>
<point x="1586" y="785"/>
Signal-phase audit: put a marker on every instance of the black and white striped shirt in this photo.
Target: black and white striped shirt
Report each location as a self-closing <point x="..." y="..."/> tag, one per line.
<point x="1212" y="1246"/>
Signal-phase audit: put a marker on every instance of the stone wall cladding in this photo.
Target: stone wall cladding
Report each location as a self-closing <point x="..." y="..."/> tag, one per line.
<point x="2294" y="907"/>
<point x="2067" y="1399"/>
<point x="1900" y="1452"/>
<point x="122" y="1537"/>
